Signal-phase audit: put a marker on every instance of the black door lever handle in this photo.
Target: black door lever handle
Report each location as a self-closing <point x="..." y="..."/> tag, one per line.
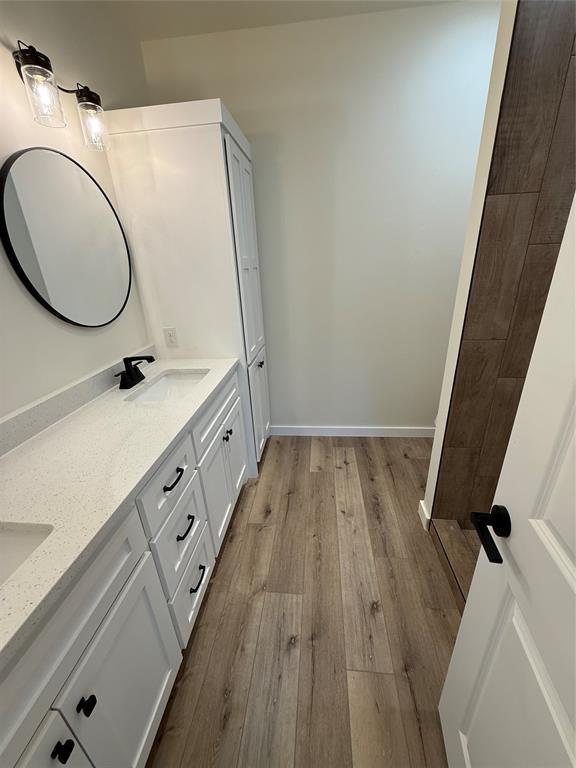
<point x="499" y="520"/>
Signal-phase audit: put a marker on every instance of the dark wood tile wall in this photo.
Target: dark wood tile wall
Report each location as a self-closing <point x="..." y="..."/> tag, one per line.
<point x="530" y="190"/>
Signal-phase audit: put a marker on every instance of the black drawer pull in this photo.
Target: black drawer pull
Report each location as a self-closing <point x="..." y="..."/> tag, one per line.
<point x="182" y="536"/>
<point x="62" y="752"/>
<point x="86" y="706"/>
<point x="179" y="473"/>
<point x="226" y="438"/>
<point x="202" y="569"/>
<point x="261" y="364"/>
<point x="230" y="432"/>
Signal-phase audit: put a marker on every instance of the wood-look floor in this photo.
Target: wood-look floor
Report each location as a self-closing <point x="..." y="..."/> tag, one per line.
<point x="326" y="633"/>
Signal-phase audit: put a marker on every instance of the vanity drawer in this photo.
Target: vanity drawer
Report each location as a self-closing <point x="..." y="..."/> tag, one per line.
<point x="159" y="497"/>
<point x="175" y="542"/>
<point x="53" y="744"/>
<point x="185" y="604"/>
<point x="211" y="418"/>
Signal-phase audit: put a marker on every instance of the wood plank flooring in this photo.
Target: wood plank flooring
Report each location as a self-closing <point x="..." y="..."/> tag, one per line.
<point x="326" y="632"/>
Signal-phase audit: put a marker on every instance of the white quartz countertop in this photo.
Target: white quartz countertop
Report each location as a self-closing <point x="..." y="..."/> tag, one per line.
<point x="80" y="476"/>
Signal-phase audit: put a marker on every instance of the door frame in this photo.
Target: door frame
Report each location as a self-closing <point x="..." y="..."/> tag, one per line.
<point x="495" y="90"/>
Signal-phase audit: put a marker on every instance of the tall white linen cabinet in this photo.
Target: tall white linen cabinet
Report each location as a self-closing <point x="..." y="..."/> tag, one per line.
<point x="183" y="179"/>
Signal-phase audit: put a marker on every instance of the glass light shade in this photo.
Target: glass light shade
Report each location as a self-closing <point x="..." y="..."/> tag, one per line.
<point x="43" y="97"/>
<point x="93" y="128"/>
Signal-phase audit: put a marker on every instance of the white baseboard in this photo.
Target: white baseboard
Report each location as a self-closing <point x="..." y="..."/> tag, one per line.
<point x="424" y="514"/>
<point x="282" y="429"/>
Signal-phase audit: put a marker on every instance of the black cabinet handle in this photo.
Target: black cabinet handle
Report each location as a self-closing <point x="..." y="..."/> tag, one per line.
<point x="226" y="437"/>
<point x="86" y="706"/>
<point x="182" y="536"/>
<point x="202" y="569"/>
<point x="62" y="752"/>
<point x="230" y="432"/>
<point x="499" y="520"/>
<point x="261" y="364"/>
<point x="179" y="473"/>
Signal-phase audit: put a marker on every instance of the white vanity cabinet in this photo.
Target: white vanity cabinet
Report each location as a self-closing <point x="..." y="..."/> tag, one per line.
<point x="174" y="544"/>
<point x="185" y="604"/>
<point x="54" y="744"/>
<point x="92" y="686"/>
<point x="115" y="697"/>
<point x="100" y="671"/>
<point x="258" y="374"/>
<point x="223" y="471"/>
<point x="244" y="221"/>
<point x="183" y="177"/>
<point x="235" y="449"/>
<point x="164" y="489"/>
<point x="214" y="473"/>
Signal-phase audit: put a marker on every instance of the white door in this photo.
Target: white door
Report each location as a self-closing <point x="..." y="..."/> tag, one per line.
<point x="509" y="697"/>
<point x="216" y="483"/>
<point x="244" y="220"/>
<point x="236" y="449"/>
<point x="115" y="697"/>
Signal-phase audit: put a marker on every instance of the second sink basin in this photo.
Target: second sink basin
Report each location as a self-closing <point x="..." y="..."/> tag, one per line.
<point x="17" y="542"/>
<point x="170" y="385"/>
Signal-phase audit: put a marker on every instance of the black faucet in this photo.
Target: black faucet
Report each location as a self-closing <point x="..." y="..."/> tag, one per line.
<point x="132" y="375"/>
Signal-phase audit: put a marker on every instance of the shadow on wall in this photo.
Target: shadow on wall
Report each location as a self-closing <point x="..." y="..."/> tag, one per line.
<point x="294" y="278"/>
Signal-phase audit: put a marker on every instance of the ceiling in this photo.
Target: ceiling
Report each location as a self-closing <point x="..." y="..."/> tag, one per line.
<point x="156" y="19"/>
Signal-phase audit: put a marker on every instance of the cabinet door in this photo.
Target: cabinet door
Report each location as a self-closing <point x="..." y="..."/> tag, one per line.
<point x="53" y="744"/>
<point x="256" y="400"/>
<point x="236" y="449"/>
<point x="258" y="376"/>
<point x="264" y="394"/>
<point x="115" y="697"/>
<point x="216" y="483"/>
<point x="244" y="220"/>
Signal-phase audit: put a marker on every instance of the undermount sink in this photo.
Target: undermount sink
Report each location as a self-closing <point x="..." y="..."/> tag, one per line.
<point x="170" y="385"/>
<point x="17" y="542"/>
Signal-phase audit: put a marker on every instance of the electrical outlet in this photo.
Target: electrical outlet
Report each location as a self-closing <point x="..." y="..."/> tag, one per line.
<point x="171" y="337"/>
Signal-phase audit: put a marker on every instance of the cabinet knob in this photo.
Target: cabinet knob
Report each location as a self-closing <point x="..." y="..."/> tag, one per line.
<point x="226" y="438"/>
<point x="261" y="364"/>
<point x="230" y="432"/>
<point x="62" y="752"/>
<point x="86" y="706"/>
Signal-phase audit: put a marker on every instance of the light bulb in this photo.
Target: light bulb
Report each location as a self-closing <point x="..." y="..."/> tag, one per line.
<point x="91" y="118"/>
<point x="43" y="97"/>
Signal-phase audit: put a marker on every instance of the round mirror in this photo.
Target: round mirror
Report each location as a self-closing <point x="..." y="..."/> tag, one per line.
<point x="63" y="237"/>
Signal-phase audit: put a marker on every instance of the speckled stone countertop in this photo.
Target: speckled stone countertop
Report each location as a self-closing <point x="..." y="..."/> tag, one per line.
<point x="80" y="476"/>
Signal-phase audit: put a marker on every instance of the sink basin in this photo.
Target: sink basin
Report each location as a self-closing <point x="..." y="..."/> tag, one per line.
<point x="17" y="542"/>
<point x="170" y="385"/>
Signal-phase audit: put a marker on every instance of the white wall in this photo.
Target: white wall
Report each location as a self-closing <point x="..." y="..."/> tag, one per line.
<point x="91" y="42"/>
<point x="365" y="131"/>
<point x="38" y="352"/>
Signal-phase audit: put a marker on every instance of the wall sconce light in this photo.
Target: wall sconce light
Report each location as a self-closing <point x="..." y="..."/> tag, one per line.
<point x="91" y="115"/>
<point x="35" y="70"/>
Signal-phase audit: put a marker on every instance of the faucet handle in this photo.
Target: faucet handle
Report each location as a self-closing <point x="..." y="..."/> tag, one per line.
<point x="132" y="374"/>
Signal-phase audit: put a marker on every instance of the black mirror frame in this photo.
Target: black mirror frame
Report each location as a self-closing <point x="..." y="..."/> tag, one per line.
<point x="11" y="253"/>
